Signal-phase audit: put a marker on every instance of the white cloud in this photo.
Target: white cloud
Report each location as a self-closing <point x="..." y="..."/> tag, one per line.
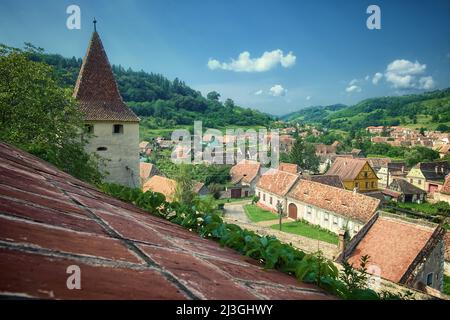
<point x="402" y="74"/>
<point x="277" y="90"/>
<point x="367" y="78"/>
<point x="426" y="83"/>
<point x="377" y="77"/>
<point x="308" y="98"/>
<point x="244" y="63"/>
<point x="353" y="88"/>
<point x="259" y="92"/>
<point x="353" y="82"/>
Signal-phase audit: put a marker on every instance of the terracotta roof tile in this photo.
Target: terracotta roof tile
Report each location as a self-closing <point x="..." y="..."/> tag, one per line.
<point x="54" y="221"/>
<point x="289" y="167"/>
<point x="96" y="89"/>
<point x="346" y="203"/>
<point x="147" y="170"/>
<point x="277" y="182"/>
<point x="346" y="168"/>
<point x="245" y="170"/>
<point x="392" y="244"/>
<point x="162" y="185"/>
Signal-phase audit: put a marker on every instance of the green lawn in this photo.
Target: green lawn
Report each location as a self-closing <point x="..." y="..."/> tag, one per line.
<point x="447" y="285"/>
<point x="256" y="214"/>
<point x="305" y="229"/>
<point x="223" y="201"/>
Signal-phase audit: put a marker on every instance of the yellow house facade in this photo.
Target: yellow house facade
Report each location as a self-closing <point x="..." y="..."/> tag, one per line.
<point x="355" y="174"/>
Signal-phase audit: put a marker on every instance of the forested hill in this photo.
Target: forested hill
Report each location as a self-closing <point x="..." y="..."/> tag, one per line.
<point x="430" y="110"/>
<point x="166" y="103"/>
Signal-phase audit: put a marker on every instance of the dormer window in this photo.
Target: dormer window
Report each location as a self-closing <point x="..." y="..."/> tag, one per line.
<point x="102" y="148"/>
<point x="118" y="128"/>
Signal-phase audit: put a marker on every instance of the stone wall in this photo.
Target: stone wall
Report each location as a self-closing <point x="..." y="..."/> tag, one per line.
<point x="122" y="151"/>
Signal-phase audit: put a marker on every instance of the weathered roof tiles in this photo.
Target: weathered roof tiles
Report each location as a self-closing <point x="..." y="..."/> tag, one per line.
<point x="50" y="221"/>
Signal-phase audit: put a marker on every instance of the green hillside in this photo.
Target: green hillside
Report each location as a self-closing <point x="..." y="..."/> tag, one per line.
<point x="160" y="102"/>
<point x="430" y="110"/>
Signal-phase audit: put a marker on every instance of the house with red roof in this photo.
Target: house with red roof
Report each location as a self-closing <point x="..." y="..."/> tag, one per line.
<point x="402" y="250"/>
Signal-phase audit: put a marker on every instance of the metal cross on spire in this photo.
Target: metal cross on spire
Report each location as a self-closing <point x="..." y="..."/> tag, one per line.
<point x="95" y="25"/>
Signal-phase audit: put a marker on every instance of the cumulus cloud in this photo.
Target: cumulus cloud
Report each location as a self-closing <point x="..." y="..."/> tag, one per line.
<point x="245" y="63"/>
<point x="404" y="74"/>
<point x="377" y="77"/>
<point x="426" y="83"/>
<point x="308" y="98"/>
<point x="353" y="88"/>
<point x="278" y="90"/>
<point x="258" y="93"/>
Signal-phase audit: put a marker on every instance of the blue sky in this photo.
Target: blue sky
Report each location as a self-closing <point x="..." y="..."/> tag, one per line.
<point x="287" y="54"/>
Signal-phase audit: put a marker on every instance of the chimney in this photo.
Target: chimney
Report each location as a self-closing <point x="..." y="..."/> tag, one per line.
<point x="341" y="243"/>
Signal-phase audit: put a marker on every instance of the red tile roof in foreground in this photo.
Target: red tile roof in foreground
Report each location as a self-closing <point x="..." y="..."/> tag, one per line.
<point x="394" y="245"/>
<point x="50" y="220"/>
<point x="96" y="88"/>
<point x="277" y="182"/>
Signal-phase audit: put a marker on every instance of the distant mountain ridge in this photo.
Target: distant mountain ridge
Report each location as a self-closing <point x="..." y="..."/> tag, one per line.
<point x="428" y="109"/>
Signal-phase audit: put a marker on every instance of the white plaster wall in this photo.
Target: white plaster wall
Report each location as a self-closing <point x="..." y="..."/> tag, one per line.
<point x="325" y="219"/>
<point x="434" y="263"/>
<point x="122" y="152"/>
<point x="275" y="199"/>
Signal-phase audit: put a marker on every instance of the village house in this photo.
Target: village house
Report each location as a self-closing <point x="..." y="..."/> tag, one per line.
<point x="444" y="150"/>
<point x="112" y="127"/>
<point x="405" y="192"/>
<point x="376" y="129"/>
<point x="444" y="193"/>
<point x="331" y="208"/>
<point x="390" y="171"/>
<point x="168" y="186"/>
<point x="286" y="143"/>
<point x="289" y="167"/>
<point x="272" y="188"/>
<point x="244" y="177"/>
<point x="355" y="174"/>
<point x="324" y="149"/>
<point x="401" y="250"/>
<point x="330" y="180"/>
<point x="145" y="148"/>
<point x="147" y="170"/>
<point x="428" y="176"/>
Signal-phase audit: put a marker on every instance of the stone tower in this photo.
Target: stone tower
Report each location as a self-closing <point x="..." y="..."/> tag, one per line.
<point x="113" y="126"/>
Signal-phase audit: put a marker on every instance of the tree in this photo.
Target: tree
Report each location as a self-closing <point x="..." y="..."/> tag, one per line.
<point x="229" y="103"/>
<point x="40" y="117"/>
<point x="213" y="95"/>
<point x="304" y="155"/>
<point x="184" y="190"/>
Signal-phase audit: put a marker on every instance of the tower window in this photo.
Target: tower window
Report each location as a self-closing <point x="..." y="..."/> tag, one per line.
<point x="102" y="148"/>
<point x="89" y="128"/>
<point x="118" y="128"/>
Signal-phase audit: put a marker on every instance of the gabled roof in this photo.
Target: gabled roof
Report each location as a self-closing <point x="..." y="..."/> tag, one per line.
<point x="147" y="170"/>
<point x="331" y="180"/>
<point x="395" y="245"/>
<point x="446" y="186"/>
<point x="96" y="89"/>
<point x="405" y="187"/>
<point x="346" y="168"/>
<point x="162" y="185"/>
<point x="435" y="171"/>
<point x="343" y="202"/>
<point x="245" y="170"/>
<point x="50" y="221"/>
<point x="377" y="163"/>
<point x="289" y="167"/>
<point x="276" y="181"/>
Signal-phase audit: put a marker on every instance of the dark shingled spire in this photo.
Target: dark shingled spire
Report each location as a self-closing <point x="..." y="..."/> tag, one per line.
<point x="96" y="89"/>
